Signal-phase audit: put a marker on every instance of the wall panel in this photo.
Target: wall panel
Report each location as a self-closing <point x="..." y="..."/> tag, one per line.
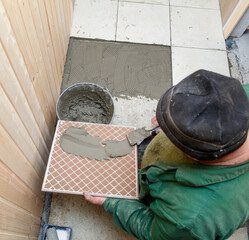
<point x="231" y="13"/>
<point x="34" y="39"/>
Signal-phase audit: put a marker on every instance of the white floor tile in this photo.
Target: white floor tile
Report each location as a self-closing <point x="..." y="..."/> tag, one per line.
<point x="143" y="23"/>
<point x="195" y="27"/>
<point x="95" y="19"/>
<point x="212" y="4"/>
<point x="162" y="2"/>
<point x="188" y="60"/>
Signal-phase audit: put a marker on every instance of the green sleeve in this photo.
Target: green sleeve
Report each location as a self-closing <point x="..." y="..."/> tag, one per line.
<point x="246" y="88"/>
<point x="131" y="215"/>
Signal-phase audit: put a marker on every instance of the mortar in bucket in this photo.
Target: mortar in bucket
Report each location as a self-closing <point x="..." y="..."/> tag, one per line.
<point x="85" y="102"/>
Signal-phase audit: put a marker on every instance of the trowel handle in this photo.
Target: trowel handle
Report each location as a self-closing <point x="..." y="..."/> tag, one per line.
<point x="154" y="130"/>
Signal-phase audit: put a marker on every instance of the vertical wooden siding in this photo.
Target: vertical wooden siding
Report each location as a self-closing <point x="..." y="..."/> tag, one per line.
<point x="34" y="39"/>
<point x="231" y="13"/>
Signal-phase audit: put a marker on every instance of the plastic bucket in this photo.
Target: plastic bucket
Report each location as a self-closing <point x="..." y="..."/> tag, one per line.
<point x="85" y="102"/>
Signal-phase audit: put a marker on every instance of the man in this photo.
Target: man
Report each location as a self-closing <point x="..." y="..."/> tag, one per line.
<point x="194" y="182"/>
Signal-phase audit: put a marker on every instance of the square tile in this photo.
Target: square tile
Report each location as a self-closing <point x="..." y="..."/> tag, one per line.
<point x="198" y="28"/>
<point x="161" y="2"/>
<point x="143" y="23"/>
<point x="188" y="60"/>
<point x="211" y="4"/>
<point x="123" y="68"/>
<point x="71" y="174"/>
<point x="95" y="19"/>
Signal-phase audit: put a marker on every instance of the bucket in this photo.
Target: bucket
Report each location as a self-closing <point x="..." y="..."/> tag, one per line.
<point x="85" y="102"/>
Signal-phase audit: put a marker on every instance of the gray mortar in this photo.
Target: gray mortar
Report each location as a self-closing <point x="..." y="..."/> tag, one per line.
<point x="115" y="148"/>
<point x="85" y="103"/>
<point x="137" y="136"/>
<point x="124" y="68"/>
<point x="77" y="141"/>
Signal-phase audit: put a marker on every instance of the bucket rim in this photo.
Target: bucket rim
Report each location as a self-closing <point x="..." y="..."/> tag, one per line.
<point x="106" y="90"/>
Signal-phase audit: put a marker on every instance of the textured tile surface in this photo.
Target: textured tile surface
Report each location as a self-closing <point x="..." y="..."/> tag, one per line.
<point x="187" y="60"/>
<point x="211" y="4"/>
<point x="95" y="19"/>
<point x="67" y="173"/>
<point x="196" y="28"/>
<point x="143" y="23"/>
<point x="123" y="68"/>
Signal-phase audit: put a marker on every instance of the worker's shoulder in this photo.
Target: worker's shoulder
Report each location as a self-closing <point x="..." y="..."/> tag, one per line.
<point x="203" y="206"/>
<point x="162" y="149"/>
<point x="196" y="174"/>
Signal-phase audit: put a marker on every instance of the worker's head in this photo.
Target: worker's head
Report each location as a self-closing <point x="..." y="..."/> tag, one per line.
<point x="206" y="115"/>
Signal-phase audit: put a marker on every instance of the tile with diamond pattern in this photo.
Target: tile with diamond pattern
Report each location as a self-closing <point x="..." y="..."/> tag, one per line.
<point x="68" y="173"/>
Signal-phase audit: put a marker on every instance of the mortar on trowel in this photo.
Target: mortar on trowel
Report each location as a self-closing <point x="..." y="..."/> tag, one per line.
<point x="139" y="135"/>
<point x="85" y="102"/>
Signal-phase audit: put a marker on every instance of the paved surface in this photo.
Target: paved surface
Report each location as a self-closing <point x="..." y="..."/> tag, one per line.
<point x="238" y="55"/>
<point x="176" y="28"/>
<point x="87" y="221"/>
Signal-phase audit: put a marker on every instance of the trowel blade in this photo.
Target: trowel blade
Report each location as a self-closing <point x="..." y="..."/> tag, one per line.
<point x="137" y="136"/>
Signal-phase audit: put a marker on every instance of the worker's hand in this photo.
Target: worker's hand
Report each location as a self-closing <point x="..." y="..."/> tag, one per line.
<point x="94" y="200"/>
<point x="155" y="124"/>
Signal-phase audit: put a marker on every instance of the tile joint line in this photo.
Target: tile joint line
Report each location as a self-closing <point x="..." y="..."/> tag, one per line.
<point x="116" y="30"/>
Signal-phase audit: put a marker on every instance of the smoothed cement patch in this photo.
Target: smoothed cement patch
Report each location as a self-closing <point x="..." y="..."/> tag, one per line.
<point x="123" y="68"/>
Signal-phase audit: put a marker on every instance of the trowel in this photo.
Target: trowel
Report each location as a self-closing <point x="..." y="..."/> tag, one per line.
<point x="138" y="135"/>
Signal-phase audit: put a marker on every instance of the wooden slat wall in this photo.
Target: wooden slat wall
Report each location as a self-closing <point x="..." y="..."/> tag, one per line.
<point x="34" y="39"/>
<point x="226" y="8"/>
<point x="231" y="13"/>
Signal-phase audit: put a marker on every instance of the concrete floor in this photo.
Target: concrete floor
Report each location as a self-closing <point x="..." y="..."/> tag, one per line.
<point x="86" y="220"/>
<point x="238" y="55"/>
<point x="173" y="28"/>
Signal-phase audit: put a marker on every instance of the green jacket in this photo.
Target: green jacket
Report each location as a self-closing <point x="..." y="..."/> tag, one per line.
<point x="180" y="200"/>
<point x="188" y="202"/>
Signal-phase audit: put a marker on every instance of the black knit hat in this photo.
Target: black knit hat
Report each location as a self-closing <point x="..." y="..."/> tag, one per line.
<point x="206" y="115"/>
